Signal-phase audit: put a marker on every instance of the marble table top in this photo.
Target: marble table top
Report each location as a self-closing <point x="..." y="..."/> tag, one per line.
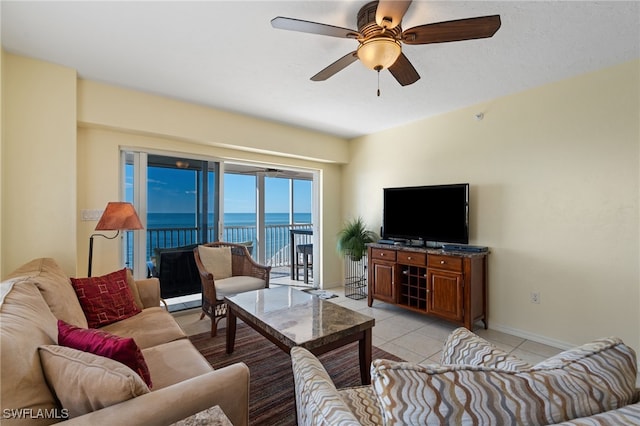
<point x="297" y="318"/>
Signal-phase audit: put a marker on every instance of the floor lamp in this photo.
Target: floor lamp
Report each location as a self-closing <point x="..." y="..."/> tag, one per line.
<point x="117" y="216"/>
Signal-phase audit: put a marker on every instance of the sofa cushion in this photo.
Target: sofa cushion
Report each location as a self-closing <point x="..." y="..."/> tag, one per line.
<point x="151" y="327"/>
<point x="98" y="342"/>
<point x="26" y="323"/>
<point x="134" y="290"/>
<point x="363" y="403"/>
<point x="609" y="361"/>
<point x="105" y="299"/>
<point x="318" y="402"/>
<point x="173" y="362"/>
<point x="216" y="260"/>
<point x="628" y="415"/>
<point x="549" y="393"/>
<point x="85" y="382"/>
<point x="56" y="289"/>
<point x="464" y="347"/>
<point x="238" y="284"/>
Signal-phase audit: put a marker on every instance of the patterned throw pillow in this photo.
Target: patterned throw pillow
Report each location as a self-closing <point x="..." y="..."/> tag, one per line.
<point x="98" y="342"/>
<point x="105" y="299"/>
<point x="471" y="395"/>
<point x="464" y="347"/>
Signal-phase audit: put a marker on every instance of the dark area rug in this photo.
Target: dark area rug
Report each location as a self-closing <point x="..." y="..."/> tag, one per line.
<point x="272" y="398"/>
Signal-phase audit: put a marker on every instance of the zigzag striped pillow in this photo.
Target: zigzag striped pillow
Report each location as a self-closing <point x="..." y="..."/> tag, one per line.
<point x="592" y="379"/>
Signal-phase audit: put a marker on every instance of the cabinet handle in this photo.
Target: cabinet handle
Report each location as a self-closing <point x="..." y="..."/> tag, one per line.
<point x="408" y="257"/>
<point x="381" y="254"/>
<point x="442" y="262"/>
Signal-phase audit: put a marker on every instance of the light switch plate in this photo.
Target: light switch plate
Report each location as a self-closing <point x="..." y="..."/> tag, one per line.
<point x="90" y="214"/>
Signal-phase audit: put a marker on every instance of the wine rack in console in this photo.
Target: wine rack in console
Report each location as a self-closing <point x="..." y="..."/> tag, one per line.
<point x="448" y="285"/>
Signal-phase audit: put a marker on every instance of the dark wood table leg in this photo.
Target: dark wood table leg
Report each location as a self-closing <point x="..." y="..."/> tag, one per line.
<point x="231" y="330"/>
<point x="364" y="347"/>
<point x="305" y="264"/>
<point x="292" y="254"/>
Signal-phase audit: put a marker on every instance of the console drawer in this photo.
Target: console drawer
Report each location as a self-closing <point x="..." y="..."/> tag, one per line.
<point x="449" y="263"/>
<point x="412" y="258"/>
<point x="377" y="253"/>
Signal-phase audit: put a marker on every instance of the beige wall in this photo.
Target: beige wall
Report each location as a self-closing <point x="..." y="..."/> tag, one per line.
<point x="554" y="175"/>
<point x="111" y="118"/>
<point x="136" y="112"/>
<point x="60" y="156"/>
<point x="38" y="163"/>
<point x="98" y="183"/>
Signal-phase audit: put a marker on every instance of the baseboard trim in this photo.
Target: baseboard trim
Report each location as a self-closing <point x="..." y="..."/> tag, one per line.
<point x="546" y="341"/>
<point x="532" y="336"/>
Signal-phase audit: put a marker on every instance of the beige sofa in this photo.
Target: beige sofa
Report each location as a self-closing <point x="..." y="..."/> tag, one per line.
<point x="478" y="384"/>
<point x="39" y="293"/>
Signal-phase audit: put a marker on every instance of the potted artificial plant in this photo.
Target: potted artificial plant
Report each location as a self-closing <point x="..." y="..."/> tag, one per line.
<point x="353" y="239"/>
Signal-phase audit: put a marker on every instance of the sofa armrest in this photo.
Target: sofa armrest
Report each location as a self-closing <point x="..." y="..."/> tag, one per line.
<point x="227" y="387"/>
<point x="318" y="402"/>
<point x="463" y="347"/>
<point x="149" y="290"/>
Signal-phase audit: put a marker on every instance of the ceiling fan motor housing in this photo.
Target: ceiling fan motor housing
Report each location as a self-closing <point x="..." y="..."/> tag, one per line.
<point x="368" y="27"/>
<point x="379" y="47"/>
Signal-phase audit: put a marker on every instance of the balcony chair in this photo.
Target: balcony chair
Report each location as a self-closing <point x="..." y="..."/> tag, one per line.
<point x="226" y="269"/>
<point x="304" y="260"/>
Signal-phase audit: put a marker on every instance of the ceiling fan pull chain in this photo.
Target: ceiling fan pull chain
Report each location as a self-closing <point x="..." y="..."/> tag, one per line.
<point x="378" y="82"/>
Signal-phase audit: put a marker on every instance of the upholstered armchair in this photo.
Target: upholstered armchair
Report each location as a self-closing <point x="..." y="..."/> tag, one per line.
<point x="226" y="269"/>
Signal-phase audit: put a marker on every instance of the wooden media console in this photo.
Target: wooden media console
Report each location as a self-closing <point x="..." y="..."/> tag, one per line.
<point x="446" y="284"/>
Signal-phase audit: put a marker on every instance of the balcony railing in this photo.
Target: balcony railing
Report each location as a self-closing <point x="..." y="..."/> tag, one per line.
<point x="277" y="240"/>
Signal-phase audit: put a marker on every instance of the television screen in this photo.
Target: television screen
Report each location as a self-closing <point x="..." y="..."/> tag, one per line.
<point x="436" y="213"/>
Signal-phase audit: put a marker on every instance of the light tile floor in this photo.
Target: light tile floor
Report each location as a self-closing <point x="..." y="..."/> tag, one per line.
<point x="408" y="335"/>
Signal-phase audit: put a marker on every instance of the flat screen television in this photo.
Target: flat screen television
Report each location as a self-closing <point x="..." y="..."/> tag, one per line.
<point x="434" y="213"/>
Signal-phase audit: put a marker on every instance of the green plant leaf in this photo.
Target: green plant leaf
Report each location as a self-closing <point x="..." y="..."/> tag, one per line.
<point x="353" y="239"/>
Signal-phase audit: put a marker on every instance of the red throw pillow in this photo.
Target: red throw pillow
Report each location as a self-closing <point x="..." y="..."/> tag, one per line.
<point x="98" y="342"/>
<point x="105" y="299"/>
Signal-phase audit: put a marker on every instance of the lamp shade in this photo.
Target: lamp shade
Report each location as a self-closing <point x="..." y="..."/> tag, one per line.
<point x="379" y="53"/>
<point x="119" y="216"/>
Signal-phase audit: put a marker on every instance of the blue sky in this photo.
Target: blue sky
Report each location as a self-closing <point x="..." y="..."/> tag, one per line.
<point x="174" y="191"/>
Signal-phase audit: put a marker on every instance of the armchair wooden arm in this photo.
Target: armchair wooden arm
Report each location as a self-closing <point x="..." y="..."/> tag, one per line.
<point x="242" y="264"/>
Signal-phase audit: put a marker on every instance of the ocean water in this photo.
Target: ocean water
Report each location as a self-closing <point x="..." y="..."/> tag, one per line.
<point x="187" y="220"/>
<point x="179" y="229"/>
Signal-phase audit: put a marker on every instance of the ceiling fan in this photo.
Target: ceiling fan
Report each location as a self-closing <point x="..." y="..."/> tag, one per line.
<point x="380" y="37"/>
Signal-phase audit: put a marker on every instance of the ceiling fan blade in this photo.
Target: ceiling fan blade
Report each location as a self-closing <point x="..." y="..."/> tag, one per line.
<point x="461" y="29"/>
<point x="403" y="71"/>
<point x="292" y="24"/>
<point x="389" y="13"/>
<point x="335" y="67"/>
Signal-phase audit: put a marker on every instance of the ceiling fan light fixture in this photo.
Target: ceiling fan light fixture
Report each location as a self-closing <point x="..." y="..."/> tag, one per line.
<point x="379" y="52"/>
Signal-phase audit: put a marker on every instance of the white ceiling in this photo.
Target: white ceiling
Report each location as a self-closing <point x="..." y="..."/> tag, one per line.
<point x="226" y="55"/>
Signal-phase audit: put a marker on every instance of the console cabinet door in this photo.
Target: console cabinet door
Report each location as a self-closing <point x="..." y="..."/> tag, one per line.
<point x="383" y="283"/>
<point x="445" y="294"/>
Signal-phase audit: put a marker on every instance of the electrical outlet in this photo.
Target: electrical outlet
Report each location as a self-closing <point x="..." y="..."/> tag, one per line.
<point x="534" y="297"/>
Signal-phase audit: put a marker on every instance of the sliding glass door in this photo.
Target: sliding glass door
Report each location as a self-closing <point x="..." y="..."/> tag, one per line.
<point x="176" y="199"/>
<point x="185" y="201"/>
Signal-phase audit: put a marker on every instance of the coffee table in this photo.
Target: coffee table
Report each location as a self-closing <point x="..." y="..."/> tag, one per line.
<point x="290" y="317"/>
